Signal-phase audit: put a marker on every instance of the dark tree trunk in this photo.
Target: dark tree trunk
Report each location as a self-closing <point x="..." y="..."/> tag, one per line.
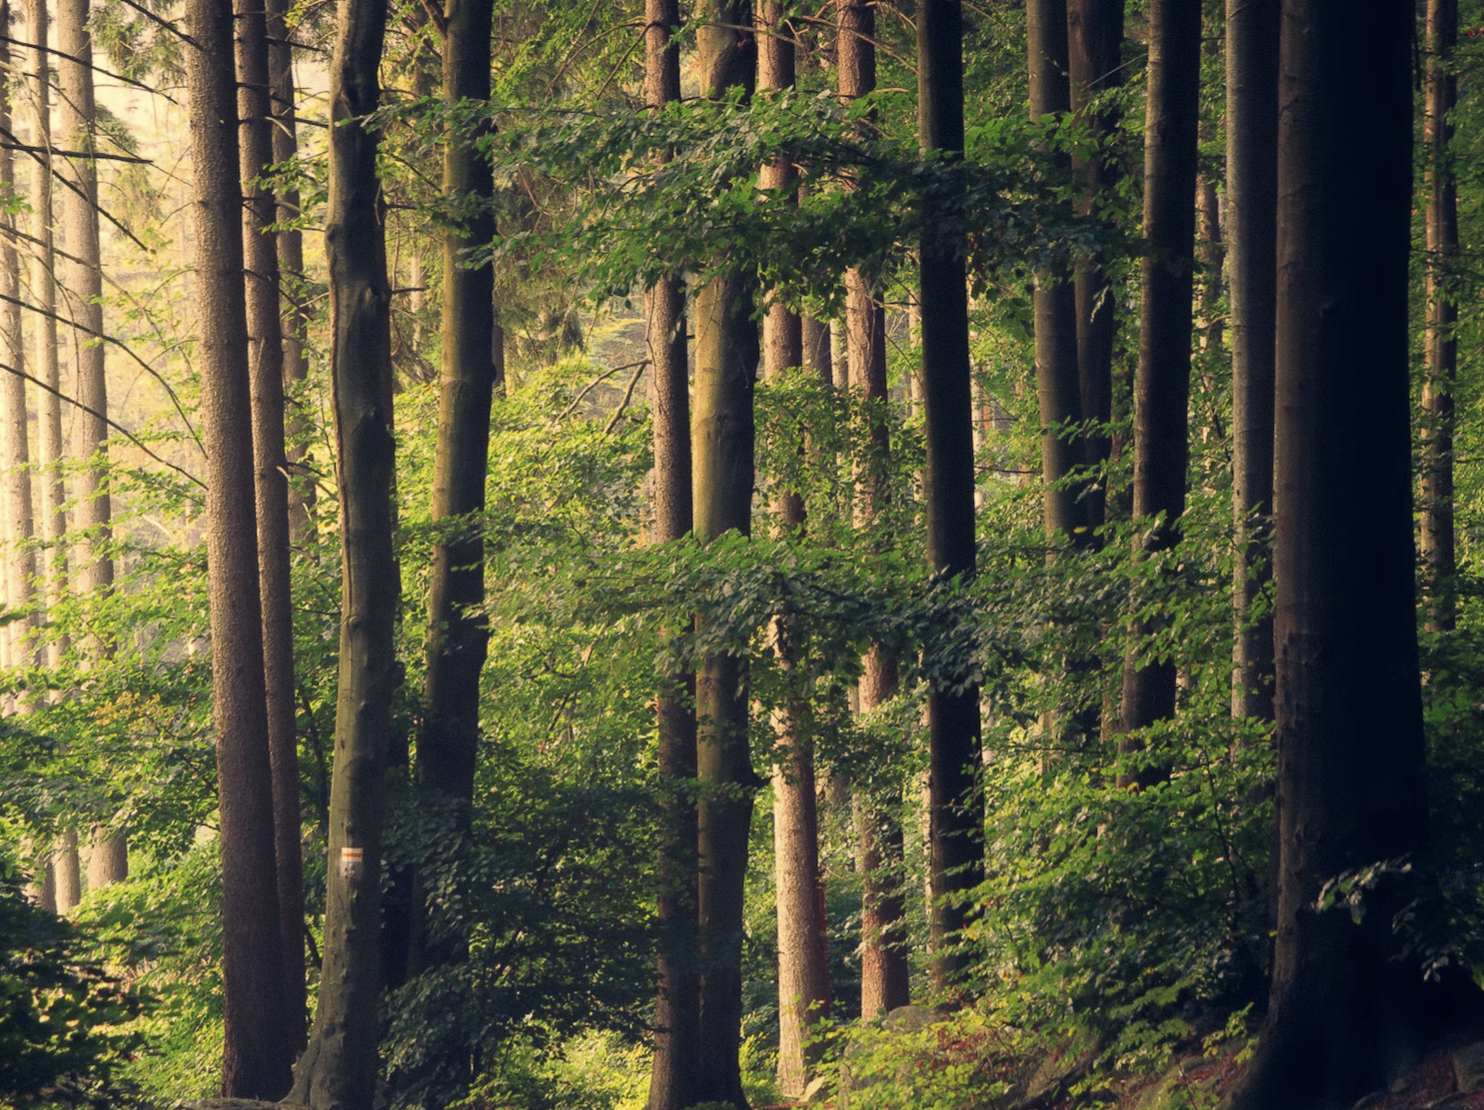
<point x="265" y="357"/>
<point x="675" y="1079"/>
<point x="1162" y="387"/>
<point x="955" y="827"/>
<point x="290" y="269"/>
<point x="1094" y="55"/>
<point x="338" y="1070"/>
<point x="458" y="633"/>
<point x="258" y="1044"/>
<point x="1054" y="299"/>
<point x="1252" y="242"/>
<point x="1343" y="1015"/>
<point x="1439" y="344"/>
<point x="722" y="452"/>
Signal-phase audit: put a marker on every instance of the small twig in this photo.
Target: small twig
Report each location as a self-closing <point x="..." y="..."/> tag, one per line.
<point x="599" y="380"/>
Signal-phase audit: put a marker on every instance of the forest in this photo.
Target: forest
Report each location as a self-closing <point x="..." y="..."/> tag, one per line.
<point x="708" y="555"/>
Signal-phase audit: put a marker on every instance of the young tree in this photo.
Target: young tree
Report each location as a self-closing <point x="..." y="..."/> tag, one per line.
<point x="338" y="1069"/>
<point x="257" y="1053"/>
<point x="954" y="830"/>
<point x="1440" y="346"/>
<point x="675" y="1076"/>
<point x="265" y="360"/>
<point x="1162" y="385"/>
<point x="1252" y="240"/>
<point x="1343" y="1014"/>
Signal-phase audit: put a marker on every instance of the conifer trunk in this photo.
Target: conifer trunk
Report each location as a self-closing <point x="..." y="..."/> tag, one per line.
<point x="1440" y="347"/>
<point x="301" y="490"/>
<point x="1162" y="385"/>
<point x="258" y="1050"/>
<point x="1343" y="1016"/>
<point x="955" y="826"/>
<point x="265" y="360"/>
<point x="339" y="1067"/>
<point x="92" y="514"/>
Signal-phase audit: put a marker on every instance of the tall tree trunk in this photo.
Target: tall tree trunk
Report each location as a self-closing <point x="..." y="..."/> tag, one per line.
<point x="258" y="1050"/>
<point x="675" y="1079"/>
<point x="458" y="633"/>
<point x="65" y="864"/>
<point x="803" y="984"/>
<point x="1162" y="387"/>
<point x="301" y="491"/>
<point x="53" y="518"/>
<point x="1440" y="345"/>
<point x="22" y="556"/>
<point x="1252" y="243"/>
<point x="1094" y="54"/>
<point x="92" y="512"/>
<point x="878" y="832"/>
<point x="722" y="454"/>
<point x="1343" y="1014"/>
<point x="265" y="358"/>
<point x="1054" y="299"/>
<point x="338" y="1070"/>
<point x="955" y="824"/>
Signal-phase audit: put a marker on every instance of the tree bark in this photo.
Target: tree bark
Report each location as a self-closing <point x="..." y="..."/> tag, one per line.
<point x="1343" y="1015"/>
<point x="1094" y="54"/>
<point x="675" y="1077"/>
<point x="265" y="359"/>
<point x="284" y="131"/>
<point x="458" y="633"/>
<point x="22" y="556"/>
<point x="1162" y="385"/>
<point x="1440" y="347"/>
<point x="65" y="864"/>
<point x="92" y="511"/>
<point x="722" y="453"/>
<point x="955" y="826"/>
<point x="338" y="1069"/>
<point x="1054" y="300"/>
<point x="1252" y="268"/>
<point x="257" y="1053"/>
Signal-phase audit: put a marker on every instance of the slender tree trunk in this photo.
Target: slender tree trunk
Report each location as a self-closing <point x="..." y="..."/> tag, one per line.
<point x="53" y="518"/>
<point x="265" y="359"/>
<point x="1054" y="299"/>
<point x="1343" y="1015"/>
<point x="1252" y="241"/>
<point x="722" y="453"/>
<point x="301" y="491"/>
<point x="1162" y="387"/>
<point x="675" y="1080"/>
<point x="338" y="1070"/>
<point x="1094" y="53"/>
<point x="884" y="973"/>
<point x="458" y="633"/>
<point x="68" y="872"/>
<point x="258" y="1044"/>
<point x="803" y="985"/>
<point x="22" y="557"/>
<point x="92" y="512"/>
<point x="955" y="824"/>
<point x="1439" y="344"/>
